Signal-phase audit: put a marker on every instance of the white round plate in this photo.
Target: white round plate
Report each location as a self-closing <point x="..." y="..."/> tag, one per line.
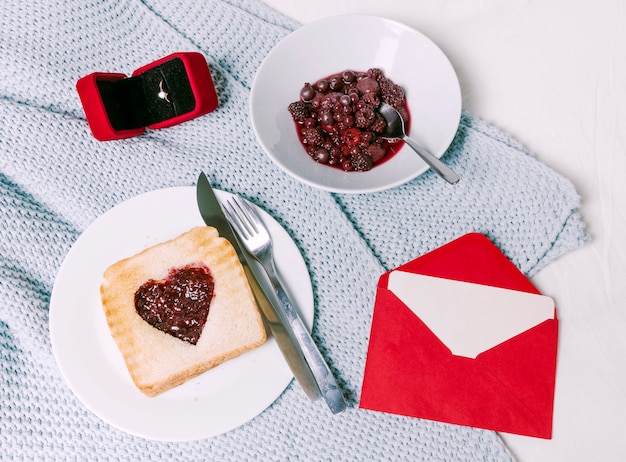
<point x="213" y="403"/>
<point x="356" y="42"/>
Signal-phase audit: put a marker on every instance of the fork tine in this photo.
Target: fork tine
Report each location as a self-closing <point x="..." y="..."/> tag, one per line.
<point x="255" y="220"/>
<point x="239" y="205"/>
<point x="244" y="219"/>
<point x="251" y="217"/>
<point x="236" y="220"/>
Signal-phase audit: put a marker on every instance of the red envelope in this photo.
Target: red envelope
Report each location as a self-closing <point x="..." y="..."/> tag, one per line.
<point x="410" y="371"/>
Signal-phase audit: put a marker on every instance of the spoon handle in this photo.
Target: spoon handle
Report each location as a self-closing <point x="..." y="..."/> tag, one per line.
<point x="442" y="169"/>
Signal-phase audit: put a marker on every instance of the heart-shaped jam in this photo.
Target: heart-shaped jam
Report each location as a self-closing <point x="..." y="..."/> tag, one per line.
<point x="179" y="304"/>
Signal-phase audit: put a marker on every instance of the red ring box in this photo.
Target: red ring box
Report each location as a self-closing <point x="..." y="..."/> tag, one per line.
<point x="166" y="92"/>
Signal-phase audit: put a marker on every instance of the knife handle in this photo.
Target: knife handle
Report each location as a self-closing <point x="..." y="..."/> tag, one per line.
<point x="284" y="339"/>
<point x="326" y="382"/>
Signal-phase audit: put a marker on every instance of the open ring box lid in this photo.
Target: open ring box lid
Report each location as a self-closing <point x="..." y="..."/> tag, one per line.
<point x="166" y="92"/>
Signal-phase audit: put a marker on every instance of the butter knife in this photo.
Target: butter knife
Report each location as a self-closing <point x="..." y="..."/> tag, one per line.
<point x="212" y="214"/>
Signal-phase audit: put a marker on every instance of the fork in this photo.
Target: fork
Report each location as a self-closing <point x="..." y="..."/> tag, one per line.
<point x="257" y="241"/>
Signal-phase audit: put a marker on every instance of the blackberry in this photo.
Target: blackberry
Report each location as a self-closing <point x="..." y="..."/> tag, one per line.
<point x="365" y="117"/>
<point x="299" y="111"/>
<point x="393" y="94"/>
<point x="379" y="123"/>
<point x="376" y="74"/>
<point x="362" y="162"/>
<point x="312" y="136"/>
<point x="372" y="98"/>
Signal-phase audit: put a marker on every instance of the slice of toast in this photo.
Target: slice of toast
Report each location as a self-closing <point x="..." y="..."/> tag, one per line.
<point x="156" y="360"/>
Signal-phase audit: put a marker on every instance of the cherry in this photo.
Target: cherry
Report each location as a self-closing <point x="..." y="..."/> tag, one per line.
<point x="322" y="85"/>
<point x="336" y="84"/>
<point x="351" y="136"/>
<point x="321" y="155"/>
<point x="307" y="93"/>
<point x="348" y="76"/>
<point x="327" y="118"/>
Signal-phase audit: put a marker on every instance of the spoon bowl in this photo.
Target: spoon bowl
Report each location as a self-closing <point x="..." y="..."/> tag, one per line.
<point x="395" y="131"/>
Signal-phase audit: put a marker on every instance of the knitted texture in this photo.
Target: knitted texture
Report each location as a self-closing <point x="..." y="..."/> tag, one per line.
<point x="56" y="179"/>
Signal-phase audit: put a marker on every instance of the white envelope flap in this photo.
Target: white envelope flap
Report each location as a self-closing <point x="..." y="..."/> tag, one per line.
<point x="469" y="318"/>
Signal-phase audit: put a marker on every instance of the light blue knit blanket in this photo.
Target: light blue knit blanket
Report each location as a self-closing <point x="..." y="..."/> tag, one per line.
<point x="55" y="180"/>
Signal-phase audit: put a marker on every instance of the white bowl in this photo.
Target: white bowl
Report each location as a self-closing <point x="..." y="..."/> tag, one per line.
<point x="356" y="42"/>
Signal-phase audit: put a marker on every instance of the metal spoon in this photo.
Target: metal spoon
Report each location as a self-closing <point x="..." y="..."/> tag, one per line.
<point x="395" y="130"/>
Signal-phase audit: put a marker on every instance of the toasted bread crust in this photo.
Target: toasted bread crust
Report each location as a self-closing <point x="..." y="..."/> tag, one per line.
<point x="158" y="361"/>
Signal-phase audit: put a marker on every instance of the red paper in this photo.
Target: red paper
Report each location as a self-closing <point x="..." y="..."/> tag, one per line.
<point x="409" y="371"/>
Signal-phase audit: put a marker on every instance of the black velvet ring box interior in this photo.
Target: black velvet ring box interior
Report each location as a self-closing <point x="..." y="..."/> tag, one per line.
<point x="166" y="92"/>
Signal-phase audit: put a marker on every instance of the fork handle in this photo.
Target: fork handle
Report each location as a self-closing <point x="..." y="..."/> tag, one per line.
<point x="325" y="380"/>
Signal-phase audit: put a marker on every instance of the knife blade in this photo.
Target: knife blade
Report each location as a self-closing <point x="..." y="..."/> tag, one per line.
<point x="212" y="214"/>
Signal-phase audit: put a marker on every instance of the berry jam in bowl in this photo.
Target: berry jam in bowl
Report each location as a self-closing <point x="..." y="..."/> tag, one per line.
<point x="338" y="123"/>
<point x="359" y="44"/>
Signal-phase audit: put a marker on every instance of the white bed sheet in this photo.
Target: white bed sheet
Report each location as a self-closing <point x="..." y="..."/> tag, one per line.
<point x="553" y="75"/>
